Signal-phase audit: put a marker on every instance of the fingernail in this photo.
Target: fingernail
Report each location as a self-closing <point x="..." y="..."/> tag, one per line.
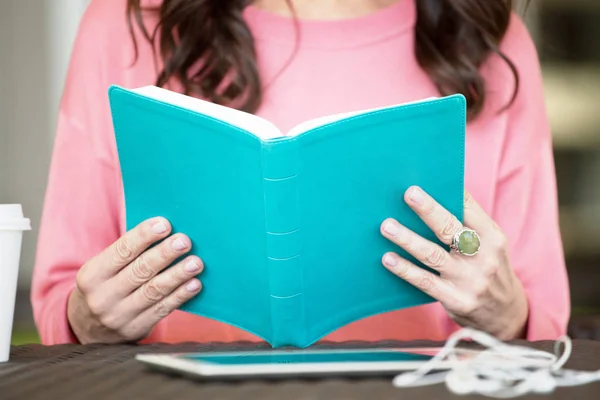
<point x="192" y="266"/>
<point x="159" y="227"/>
<point x="192" y="286"/>
<point x="416" y="196"/>
<point x="179" y="245"/>
<point x="389" y="260"/>
<point x="391" y="228"/>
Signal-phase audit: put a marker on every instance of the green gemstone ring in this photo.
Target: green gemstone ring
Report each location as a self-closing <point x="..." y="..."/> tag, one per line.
<point x="466" y="242"/>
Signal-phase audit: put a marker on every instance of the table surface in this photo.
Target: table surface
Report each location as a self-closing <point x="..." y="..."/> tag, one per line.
<point x="111" y="372"/>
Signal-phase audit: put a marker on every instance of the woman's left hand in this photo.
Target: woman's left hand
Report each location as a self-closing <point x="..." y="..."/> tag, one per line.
<point x="479" y="291"/>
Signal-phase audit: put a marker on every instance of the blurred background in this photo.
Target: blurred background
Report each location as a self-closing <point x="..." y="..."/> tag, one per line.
<point x="35" y="42"/>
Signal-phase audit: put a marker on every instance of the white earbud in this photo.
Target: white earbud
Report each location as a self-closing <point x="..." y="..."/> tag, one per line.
<point x="501" y="370"/>
<point x="460" y="383"/>
<point x="544" y="382"/>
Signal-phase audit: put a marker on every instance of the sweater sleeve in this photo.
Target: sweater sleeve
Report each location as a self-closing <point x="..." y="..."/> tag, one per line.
<point x="82" y="204"/>
<point x="526" y="199"/>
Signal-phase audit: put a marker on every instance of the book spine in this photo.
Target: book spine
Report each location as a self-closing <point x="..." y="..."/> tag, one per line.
<point x="280" y="182"/>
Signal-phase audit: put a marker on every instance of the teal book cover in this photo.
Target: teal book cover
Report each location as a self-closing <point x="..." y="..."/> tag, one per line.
<point x="288" y="223"/>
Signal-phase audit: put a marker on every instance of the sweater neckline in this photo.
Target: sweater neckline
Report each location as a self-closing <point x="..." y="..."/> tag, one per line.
<point x="380" y="25"/>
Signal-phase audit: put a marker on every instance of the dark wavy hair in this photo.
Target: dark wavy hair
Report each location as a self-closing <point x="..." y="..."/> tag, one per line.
<point x="207" y="46"/>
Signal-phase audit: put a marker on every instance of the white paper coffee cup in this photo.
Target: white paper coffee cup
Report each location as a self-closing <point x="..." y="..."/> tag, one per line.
<point x="12" y="225"/>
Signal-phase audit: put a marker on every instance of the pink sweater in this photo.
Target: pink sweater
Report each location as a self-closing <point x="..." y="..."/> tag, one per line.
<point x="341" y="65"/>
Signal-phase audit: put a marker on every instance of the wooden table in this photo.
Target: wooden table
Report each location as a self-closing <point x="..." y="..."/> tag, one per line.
<point x="111" y="372"/>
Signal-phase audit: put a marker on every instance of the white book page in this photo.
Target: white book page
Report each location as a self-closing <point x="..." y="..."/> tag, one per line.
<point x="317" y="122"/>
<point x="260" y="127"/>
<point x="256" y="125"/>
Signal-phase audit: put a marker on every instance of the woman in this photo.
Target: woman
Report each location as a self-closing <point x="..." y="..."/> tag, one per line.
<point x="94" y="282"/>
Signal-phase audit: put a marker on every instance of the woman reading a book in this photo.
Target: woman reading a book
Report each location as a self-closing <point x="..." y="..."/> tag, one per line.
<point x="504" y="273"/>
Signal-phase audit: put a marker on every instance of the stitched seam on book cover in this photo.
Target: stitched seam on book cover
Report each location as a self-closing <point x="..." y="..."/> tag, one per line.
<point x="283" y="259"/>
<point x="280" y="179"/>
<point x="283" y="233"/>
<point x="286" y="297"/>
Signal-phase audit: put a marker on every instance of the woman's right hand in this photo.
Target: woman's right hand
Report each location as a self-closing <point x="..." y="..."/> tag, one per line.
<point x="123" y="291"/>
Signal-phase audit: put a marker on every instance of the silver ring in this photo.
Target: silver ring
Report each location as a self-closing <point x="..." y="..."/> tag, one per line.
<point x="466" y="242"/>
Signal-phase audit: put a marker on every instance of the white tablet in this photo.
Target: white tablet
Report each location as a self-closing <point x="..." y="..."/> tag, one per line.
<point x="293" y="363"/>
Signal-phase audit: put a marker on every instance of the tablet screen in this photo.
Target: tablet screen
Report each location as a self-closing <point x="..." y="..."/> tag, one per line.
<point x="308" y="357"/>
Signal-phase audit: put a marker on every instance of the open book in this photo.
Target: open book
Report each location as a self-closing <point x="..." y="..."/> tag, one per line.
<point x="287" y="224"/>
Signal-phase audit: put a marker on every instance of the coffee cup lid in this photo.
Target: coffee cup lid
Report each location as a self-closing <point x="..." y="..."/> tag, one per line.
<point x="11" y="218"/>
